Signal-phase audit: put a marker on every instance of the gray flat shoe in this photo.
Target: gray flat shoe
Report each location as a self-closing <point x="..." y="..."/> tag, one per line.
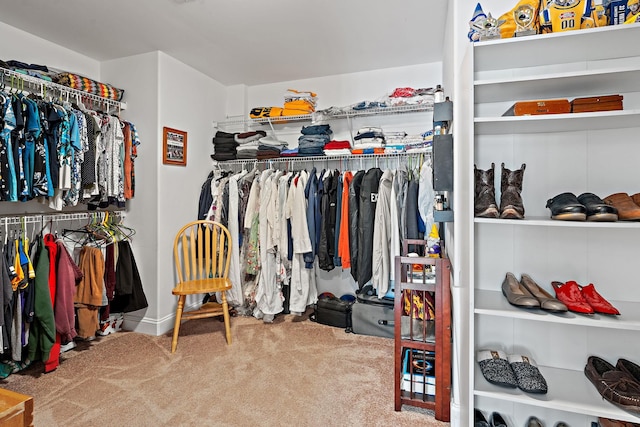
<point x="517" y="294"/>
<point x="547" y="302"/>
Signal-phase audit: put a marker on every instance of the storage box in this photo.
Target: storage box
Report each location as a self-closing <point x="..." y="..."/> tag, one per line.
<point x="596" y="103"/>
<point x="543" y="106"/>
<point x="418" y="367"/>
<point x="16" y="410"/>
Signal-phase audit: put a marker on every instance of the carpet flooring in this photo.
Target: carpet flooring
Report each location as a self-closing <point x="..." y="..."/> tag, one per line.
<point x="291" y="372"/>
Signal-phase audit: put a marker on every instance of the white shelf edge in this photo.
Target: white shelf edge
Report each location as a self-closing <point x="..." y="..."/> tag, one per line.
<point x="548" y="222"/>
<point x="555" y="76"/>
<point x="493" y="303"/>
<point x="569" y="391"/>
<point x="550" y="123"/>
<point x="568" y="46"/>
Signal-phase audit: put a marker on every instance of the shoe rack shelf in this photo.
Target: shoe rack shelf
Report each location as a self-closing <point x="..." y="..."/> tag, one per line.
<point x="493" y="303"/>
<point x="579" y="152"/>
<point x="569" y="391"/>
<point x="415" y="338"/>
<point x="547" y="222"/>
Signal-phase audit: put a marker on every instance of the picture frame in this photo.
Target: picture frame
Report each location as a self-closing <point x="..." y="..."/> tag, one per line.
<point x="174" y="147"/>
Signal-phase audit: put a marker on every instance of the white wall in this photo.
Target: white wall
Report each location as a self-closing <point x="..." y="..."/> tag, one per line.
<point x="167" y="195"/>
<point x="345" y="89"/>
<point x="138" y="75"/>
<point x="191" y="108"/>
<point x="22" y="46"/>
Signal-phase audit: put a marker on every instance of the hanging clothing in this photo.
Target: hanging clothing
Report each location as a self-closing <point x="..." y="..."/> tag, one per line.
<point x="382" y="234"/>
<point x="367" y="209"/>
<point x="129" y="293"/>
<point x="354" y="220"/>
<point x="303" y="285"/>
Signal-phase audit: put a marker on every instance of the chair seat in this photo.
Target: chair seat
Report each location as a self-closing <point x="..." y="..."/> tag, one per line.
<point x="202" y="286"/>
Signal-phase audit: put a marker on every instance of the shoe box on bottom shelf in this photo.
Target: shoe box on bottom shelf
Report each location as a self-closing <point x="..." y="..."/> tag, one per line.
<point x="418" y="372"/>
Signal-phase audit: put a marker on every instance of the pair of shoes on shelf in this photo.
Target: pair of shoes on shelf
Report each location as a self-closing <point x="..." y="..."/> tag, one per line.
<point x="526" y="293"/>
<point x="619" y="385"/>
<point x="585" y="207"/>
<point x="512" y="371"/>
<point x="628" y="206"/>
<point x="511" y="206"/>
<point x="582" y="299"/>
<point x="495" y="419"/>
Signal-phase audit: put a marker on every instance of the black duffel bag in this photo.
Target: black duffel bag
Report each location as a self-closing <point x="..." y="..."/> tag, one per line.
<point x="333" y="311"/>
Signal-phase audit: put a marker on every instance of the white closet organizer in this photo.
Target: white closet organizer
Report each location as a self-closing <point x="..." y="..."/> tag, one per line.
<point x="581" y="152"/>
<point x="12" y="80"/>
<point x="318" y="116"/>
<point x="343" y="127"/>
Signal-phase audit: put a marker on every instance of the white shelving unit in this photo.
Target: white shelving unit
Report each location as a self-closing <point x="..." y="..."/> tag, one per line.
<point x="582" y="152"/>
<point x="411" y="118"/>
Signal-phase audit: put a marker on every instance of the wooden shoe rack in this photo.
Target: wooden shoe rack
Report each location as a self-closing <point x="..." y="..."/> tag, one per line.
<point x="422" y="339"/>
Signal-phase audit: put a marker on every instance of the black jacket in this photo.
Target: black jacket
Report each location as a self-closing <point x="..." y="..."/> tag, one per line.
<point x="326" y="246"/>
<point x="354" y="203"/>
<point x="368" y="202"/>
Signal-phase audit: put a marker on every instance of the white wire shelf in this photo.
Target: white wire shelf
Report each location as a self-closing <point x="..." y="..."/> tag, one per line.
<point x="32" y="218"/>
<point x="319" y="116"/>
<point x="7" y="77"/>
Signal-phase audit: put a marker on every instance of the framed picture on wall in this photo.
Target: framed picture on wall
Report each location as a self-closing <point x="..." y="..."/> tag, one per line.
<point x="174" y="147"/>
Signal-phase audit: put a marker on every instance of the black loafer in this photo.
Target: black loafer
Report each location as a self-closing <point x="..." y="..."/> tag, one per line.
<point x="496" y="420"/>
<point x="479" y="420"/>
<point x="566" y="207"/>
<point x="597" y="209"/>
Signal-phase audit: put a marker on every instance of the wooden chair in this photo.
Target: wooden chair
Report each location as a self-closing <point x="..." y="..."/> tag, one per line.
<point x="201" y="251"/>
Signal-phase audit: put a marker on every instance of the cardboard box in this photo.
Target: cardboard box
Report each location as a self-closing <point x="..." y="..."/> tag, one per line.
<point x="542" y="106"/>
<point x="596" y="103"/>
<point x="418" y="367"/>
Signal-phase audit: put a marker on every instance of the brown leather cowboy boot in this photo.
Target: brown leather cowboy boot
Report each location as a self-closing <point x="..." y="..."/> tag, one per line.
<point x="511" y="206"/>
<point x="485" y="205"/>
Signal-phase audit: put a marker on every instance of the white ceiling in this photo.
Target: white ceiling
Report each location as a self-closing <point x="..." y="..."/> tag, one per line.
<point x="244" y="41"/>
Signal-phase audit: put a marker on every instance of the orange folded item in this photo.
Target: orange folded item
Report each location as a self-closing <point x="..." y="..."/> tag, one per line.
<point x="300" y="104"/>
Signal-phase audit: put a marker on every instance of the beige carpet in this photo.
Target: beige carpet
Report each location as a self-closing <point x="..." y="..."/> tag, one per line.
<point x="292" y="372"/>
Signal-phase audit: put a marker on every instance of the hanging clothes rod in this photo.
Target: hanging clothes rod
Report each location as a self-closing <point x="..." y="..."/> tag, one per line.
<point x="64" y="91"/>
<point x="306" y="159"/>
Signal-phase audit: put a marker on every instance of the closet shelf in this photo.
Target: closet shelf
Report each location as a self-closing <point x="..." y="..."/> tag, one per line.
<point x="569" y="390"/>
<point x="556" y="122"/>
<point x="311" y="159"/>
<point x="568" y="47"/>
<point x="62" y="90"/>
<point x="493" y="303"/>
<point x="318" y="116"/>
<point x="548" y="222"/>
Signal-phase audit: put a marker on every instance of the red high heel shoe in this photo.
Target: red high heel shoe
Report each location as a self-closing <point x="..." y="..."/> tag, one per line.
<point x="569" y="293"/>
<point x="596" y="301"/>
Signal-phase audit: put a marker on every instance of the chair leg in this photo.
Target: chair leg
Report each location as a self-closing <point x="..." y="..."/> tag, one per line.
<point x="225" y="315"/>
<point x="176" y="327"/>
